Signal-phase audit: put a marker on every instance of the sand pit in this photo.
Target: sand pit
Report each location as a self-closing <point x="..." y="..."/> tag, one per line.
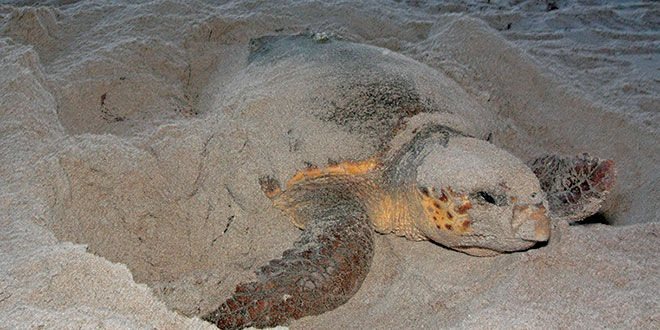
<point x="130" y="152"/>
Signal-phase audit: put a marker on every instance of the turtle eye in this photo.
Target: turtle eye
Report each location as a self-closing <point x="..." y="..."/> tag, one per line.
<point x="487" y="197"/>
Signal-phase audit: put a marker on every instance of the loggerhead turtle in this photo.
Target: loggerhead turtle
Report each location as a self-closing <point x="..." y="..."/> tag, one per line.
<point x="432" y="181"/>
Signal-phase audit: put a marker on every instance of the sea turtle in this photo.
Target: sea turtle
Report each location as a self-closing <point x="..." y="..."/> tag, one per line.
<point x="434" y="180"/>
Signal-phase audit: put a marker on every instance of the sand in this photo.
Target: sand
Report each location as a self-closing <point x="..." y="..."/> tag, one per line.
<point x="128" y="170"/>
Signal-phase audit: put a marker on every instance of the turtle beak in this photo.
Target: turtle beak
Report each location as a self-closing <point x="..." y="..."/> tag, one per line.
<point x="530" y="223"/>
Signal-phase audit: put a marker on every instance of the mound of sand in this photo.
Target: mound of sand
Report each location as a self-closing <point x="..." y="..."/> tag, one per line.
<point x="129" y="160"/>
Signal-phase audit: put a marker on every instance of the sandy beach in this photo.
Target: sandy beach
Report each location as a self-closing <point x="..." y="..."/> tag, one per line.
<point x="132" y="140"/>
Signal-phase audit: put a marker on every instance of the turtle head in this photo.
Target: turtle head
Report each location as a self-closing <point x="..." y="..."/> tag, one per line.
<point x="479" y="199"/>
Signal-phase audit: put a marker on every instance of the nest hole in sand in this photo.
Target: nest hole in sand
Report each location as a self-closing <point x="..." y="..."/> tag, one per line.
<point x="147" y="184"/>
<point x="170" y="215"/>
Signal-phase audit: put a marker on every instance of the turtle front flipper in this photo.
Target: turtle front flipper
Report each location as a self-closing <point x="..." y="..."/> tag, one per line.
<point x="270" y="186"/>
<point x="576" y="187"/>
<point x="324" y="269"/>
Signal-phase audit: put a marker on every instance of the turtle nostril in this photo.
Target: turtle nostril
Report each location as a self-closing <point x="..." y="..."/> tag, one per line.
<point x="530" y="223"/>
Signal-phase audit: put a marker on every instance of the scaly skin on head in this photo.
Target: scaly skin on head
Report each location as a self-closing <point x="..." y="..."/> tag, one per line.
<point x="477" y="215"/>
<point x="339" y="207"/>
<point x="448" y="210"/>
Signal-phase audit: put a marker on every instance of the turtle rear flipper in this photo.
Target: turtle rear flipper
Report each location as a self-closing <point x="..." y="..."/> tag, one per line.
<point x="576" y="187"/>
<point x="324" y="269"/>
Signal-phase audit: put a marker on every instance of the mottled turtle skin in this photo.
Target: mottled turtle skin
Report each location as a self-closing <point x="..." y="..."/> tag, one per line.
<point x="339" y="207"/>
